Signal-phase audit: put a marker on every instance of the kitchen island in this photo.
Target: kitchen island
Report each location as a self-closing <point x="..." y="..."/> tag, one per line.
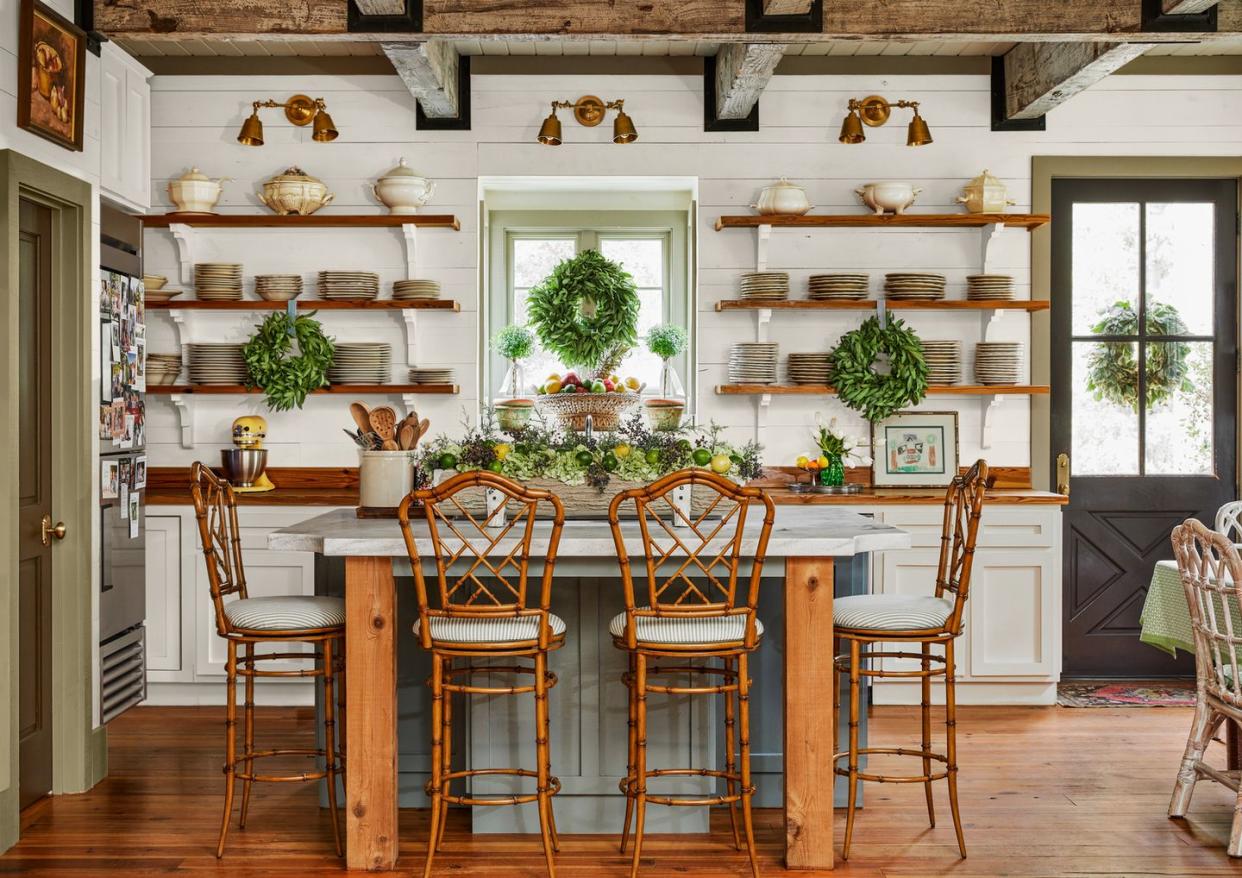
<point x="367" y="556"/>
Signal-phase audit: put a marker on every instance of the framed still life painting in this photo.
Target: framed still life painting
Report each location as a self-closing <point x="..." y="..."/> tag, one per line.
<point x="51" y="75"/>
<point x="915" y="450"/>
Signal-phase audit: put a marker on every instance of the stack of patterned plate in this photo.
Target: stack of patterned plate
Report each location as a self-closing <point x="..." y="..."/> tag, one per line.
<point x="163" y="368"/>
<point x="429" y="375"/>
<point x="768" y="286"/>
<point x="753" y="363"/>
<point x="218" y="281"/>
<point x="989" y="286"/>
<point x="809" y="368"/>
<point x="348" y="285"/>
<point x="944" y="361"/>
<point x="416" y="289"/>
<point x="278" y="287"/>
<point x="838" y="286"/>
<point x="914" y="285"/>
<point x="216" y="363"/>
<point x="998" y="362"/>
<point x="364" y="362"/>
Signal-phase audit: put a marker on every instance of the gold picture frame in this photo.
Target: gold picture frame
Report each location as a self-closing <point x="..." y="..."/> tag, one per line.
<point x="915" y="450"/>
<point x="51" y="75"/>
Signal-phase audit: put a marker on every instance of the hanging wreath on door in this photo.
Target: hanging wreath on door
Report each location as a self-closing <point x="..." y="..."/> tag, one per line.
<point x="873" y="393"/>
<point x="1112" y="366"/>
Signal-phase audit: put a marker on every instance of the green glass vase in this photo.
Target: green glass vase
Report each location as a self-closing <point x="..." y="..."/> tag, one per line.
<point x="833" y="475"/>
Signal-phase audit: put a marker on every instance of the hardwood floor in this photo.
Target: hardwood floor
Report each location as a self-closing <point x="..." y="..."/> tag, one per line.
<point x="1045" y="791"/>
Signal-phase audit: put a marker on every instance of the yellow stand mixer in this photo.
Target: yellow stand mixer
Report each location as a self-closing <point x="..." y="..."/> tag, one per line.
<point x="244" y="464"/>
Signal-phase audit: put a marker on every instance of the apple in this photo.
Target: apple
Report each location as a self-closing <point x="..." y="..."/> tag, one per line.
<point x="570" y="378"/>
<point x="608" y="385"/>
<point x="580" y="389"/>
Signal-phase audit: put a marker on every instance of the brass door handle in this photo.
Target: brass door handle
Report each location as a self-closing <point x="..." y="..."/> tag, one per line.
<point x="1063" y="474"/>
<point x="49" y="530"/>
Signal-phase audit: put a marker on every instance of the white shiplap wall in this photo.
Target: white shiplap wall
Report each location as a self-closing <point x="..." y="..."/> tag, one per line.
<point x="195" y="122"/>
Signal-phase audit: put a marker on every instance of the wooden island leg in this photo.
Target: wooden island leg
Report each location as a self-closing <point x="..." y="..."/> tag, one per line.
<point x="809" y="778"/>
<point x="371" y="714"/>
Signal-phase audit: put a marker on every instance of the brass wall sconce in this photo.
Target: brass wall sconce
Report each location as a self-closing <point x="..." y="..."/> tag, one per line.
<point x="300" y="110"/>
<point x="874" y="111"/>
<point x="588" y="111"/>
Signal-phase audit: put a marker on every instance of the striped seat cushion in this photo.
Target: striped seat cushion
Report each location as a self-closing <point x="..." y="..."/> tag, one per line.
<point x="891" y="612"/>
<point x="686" y="632"/>
<point x="502" y="629"/>
<point x="286" y="613"/>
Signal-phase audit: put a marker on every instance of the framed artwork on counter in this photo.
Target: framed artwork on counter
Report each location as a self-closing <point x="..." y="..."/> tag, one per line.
<point x="915" y="450"/>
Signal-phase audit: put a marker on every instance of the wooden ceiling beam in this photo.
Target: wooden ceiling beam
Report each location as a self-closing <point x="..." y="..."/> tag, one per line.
<point x="787" y="7"/>
<point x="742" y="72"/>
<point x="1041" y="76"/>
<point x="430" y="71"/>
<point x="380" y="7"/>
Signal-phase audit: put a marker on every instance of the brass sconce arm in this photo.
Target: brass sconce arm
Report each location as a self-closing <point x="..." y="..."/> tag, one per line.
<point x="874" y="111"/>
<point x="299" y="110"/>
<point x="588" y="111"/>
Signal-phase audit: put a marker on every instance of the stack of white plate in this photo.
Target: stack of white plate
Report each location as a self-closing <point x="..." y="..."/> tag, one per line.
<point x="416" y="289"/>
<point x="989" y="286"/>
<point x="216" y="363"/>
<point x="944" y="361"/>
<point x="348" y="285"/>
<point x="163" y="368"/>
<point x="838" y="286"/>
<point x="753" y="363"/>
<point x="768" y="286"/>
<point x="218" y="281"/>
<point x="809" y="368"/>
<point x="998" y="362"/>
<point x="278" y="287"/>
<point x="364" y="362"/>
<point x="430" y="375"/>
<point x="914" y="285"/>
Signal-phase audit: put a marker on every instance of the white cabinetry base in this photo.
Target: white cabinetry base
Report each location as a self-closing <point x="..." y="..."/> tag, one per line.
<point x="300" y="693"/>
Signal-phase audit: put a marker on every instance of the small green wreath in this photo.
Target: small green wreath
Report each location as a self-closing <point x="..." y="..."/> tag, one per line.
<point x="1112" y="370"/>
<point x="287" y="379"/>
<point x="586" y="311"/>
<point x="864" y="389"/>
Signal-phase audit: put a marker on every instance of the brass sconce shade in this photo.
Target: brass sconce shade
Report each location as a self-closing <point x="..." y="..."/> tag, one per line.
<point x="874" y="111"/>
<point x="300" y="110"/>
<point x="589" y="111"/>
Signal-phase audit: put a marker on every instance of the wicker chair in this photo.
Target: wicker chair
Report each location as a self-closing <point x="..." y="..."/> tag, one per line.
<point x="483" y="612"/>
<point x="864" y="621"/>
<point x="1211" y="572"/>
<point x="245" y="622"/>
<point x="1229" y="520"/>
<point x="691" y="609"/>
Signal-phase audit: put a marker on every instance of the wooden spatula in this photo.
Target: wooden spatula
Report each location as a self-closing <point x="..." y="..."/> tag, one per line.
<point x="361" y="415"/>
<point x="407" y="435"/>
<point x="384" y="423"/>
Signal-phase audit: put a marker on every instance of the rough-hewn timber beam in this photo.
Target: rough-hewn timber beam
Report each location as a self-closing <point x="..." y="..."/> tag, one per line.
<point x="429" y="71"/>
<point x="1040" y="76"/>
<point x="742" y="72"/>
<point x="380" y="7"/>
<point x="1186" y="7"/>
<point x="786" y="7"/>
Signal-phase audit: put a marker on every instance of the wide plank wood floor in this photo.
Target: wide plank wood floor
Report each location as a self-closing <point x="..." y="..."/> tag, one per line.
<point x="1045" y="791"/>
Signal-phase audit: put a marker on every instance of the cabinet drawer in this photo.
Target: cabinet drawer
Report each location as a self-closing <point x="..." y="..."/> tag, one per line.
<point x="1000" y="526"/>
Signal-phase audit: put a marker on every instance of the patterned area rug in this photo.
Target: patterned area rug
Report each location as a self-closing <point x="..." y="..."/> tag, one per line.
<point x="1131" y="693"/>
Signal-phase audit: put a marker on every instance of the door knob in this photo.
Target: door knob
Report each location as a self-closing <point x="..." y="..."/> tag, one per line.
<point x="49" y="530"/>
<point x="1063" y="474"/>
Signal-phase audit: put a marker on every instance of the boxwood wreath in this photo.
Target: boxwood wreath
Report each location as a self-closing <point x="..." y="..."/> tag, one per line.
<point x="860" y="387"/>
<point x="286" y="379"/>
<point x="586" y="312"/>
<point x="1112" y="367"/>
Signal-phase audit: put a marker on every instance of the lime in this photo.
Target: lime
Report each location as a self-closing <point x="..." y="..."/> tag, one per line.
<point x="683" y="445"/>
<point x="495" y="466"/>
<point x="447" y="461"/>
<point x="584" y="458"/>
<point x="653" y="457"/>
<point x="569" y="388"/>
<point x="701" y="457"/>
<point x="610" y="461"/>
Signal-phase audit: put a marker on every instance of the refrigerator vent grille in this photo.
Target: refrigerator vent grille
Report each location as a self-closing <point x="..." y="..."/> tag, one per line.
<point x="122" y="673"/>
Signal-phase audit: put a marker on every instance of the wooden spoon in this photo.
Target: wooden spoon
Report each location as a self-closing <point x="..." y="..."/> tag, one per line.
<point x="423" y="427"/>
<point x="407" y="435"/>
<point x="361" y="415"/>
<point x="384" y="423"/>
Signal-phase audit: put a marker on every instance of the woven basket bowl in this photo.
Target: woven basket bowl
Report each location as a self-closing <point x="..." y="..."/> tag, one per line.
<point x="571" y="410"/>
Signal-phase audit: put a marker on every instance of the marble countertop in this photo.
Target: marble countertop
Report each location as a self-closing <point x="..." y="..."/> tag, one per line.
<point x="799" y="531"/>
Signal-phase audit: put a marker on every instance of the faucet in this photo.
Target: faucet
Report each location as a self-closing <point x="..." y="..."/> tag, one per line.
<point x="590" y="428"/>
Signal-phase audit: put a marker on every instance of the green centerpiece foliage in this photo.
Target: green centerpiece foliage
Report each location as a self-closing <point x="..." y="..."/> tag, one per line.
<point x="667" y="340"/>
<point x="1112" y="366"/>
<point x="861" y="386"/>
<point x="586" y="312"/>
<point x="514" y="342"/>
<point x="285" y="378"/>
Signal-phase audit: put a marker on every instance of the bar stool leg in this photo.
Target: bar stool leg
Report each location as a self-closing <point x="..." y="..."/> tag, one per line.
<point x="437" y="729"/>
<point x="543" y="758"/>
<point x="926" y="713"/>
<point x="230" y="748"/>
<point x="340" y="705"/>
<point x="730" y="744"/>
<point x="853" y="764"/>
<point x="743" y="697"/>
<point x="446" y="737"/>
<point x="950" y="706"/>
<point x="329" y="742"/>
<point x="248" y="720"/>
<point x="640" y="760"/>
<point x="836" y="707"/>
<point x="630" y="752"/>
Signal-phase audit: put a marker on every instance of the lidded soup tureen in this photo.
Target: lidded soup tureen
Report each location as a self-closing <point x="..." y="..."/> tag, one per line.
<point x="294" y="191"/>
<point x="195" y="192"/>
<point x="782" y="197"/>
<point x="402" y="191"/>
<point x="985" y="194"/>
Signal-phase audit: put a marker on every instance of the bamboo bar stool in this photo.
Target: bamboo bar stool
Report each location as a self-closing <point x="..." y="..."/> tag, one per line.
<point x="1211" y="572"/>
<point x="482" y="566"/>
<point x="863" y="621"/>
<point x="246" y="622"/>
<point x="691" y="610"/>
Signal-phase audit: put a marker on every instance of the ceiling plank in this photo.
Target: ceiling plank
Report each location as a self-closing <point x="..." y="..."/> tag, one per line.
<point x="429" y="70"/>
<point x="1041" y="76"/>
<point x="787" y="7"/>
<point x="742" y="72"/>
<point x="381" y="7"/>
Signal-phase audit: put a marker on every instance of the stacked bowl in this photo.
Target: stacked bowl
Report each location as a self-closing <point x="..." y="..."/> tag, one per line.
<point x="163" y="369"/>
<point x="278" y="287"/>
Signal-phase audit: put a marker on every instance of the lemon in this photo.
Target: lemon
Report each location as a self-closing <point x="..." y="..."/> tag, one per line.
<point x="802" y="461"/>
<point x="553" y="386"/>
<point x="632" y="383"/>
<point x="502" y="450"/>
<point x="622" y="451"/>
<point x="721" y="463"/>
<point x="823" y="462"/>
<point x="555" y="376"/>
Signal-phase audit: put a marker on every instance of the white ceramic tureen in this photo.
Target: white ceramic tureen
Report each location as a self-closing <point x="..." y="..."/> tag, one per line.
<point x="782" y="197"/>
<point x="402" y="190"/>
<point x="888" y="197"/>
<point x="294" y="191"/>
<point x="985" y="194"/>
<point x="195" y="192"/>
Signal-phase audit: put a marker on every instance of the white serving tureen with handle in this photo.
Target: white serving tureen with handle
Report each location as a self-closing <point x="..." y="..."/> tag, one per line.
<point x="782" y="197"/>
<point x="985" y="194"/>
<point x="402" y="191"/>
<point x="195" y="192"/>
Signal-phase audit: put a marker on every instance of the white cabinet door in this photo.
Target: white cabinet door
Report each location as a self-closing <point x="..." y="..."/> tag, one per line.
<point x="1013" y="607"/>
<point x="112" y="73"/>
<point x="163" y="538"/>
<point x="136" y="151"/>
<point x="913" y="572"/>
<point x="125" y="129"/>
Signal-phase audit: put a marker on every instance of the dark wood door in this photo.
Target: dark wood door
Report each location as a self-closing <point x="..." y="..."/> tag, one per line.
<point x="1144" y="345"/>
<point x="35" y="493"/>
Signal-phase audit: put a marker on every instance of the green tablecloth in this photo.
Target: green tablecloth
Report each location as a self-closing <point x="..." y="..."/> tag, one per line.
<point x="1166" y="617"/>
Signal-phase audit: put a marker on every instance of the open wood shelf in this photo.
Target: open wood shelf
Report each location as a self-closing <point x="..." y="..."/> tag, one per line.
<point x="224" y="389"/>
<point x="1027" y="221"/>
<point x="293" y="221"/>
<point x="308" y="304"/>
<point x="939" y="389"/>
<point x="890" y="304"/>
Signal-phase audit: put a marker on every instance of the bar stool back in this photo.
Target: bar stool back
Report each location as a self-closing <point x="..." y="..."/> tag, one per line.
<point x="698" y="602"/>
<point x="245" y="622"/>
<point x="484" y="609"/>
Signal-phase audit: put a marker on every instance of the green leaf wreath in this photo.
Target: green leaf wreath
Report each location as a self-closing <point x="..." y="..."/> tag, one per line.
<point x="287" y="379"/>
<point x="864" y="389"/>
<point x="586" y="312"/>
<point x="1112" y="366"/>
